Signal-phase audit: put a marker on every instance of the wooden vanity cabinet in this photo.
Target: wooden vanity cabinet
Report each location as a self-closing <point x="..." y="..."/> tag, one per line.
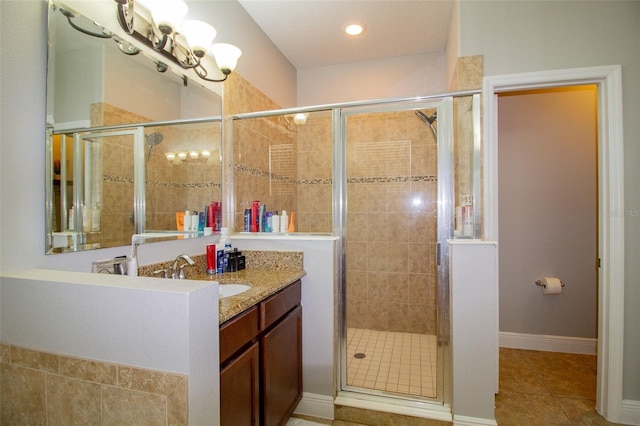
<point x="281" y="374"/>
<point x="261" y="361"/>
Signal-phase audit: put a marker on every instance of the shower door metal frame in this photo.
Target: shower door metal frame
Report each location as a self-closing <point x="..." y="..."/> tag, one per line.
<point x="445" y="193"/>
<point x="79" y="181"/>
<point x="139" y="196"/>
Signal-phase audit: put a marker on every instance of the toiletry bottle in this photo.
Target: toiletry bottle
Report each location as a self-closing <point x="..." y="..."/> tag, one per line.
<point x="211" y="216"/>
<point x="292" y="223"/>
<point x="284" y="221"/>
<point x="467" y="217"/>
<point x="261" y="218"/>
<point x="211" y="259"/>
<point x="247" y="220"/>
<point x="254" y="215"/>
<point x="86" y="219"/>
<point x="180" y="221"/>
<point x="201" y="222"/>
<point x="275" y="222"/>
<point x="72" y="220"/>
<point x="95" y="217"/>
<point x="268" y="221"/>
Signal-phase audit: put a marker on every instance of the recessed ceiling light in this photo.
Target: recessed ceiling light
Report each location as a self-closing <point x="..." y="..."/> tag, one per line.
<point x="354" y="29"/>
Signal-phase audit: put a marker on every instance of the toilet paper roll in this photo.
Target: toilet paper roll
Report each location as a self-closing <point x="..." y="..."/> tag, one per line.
<point x="552" y="285"/>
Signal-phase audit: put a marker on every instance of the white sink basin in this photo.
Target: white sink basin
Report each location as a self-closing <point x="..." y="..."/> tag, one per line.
<point x="228" y="290"/>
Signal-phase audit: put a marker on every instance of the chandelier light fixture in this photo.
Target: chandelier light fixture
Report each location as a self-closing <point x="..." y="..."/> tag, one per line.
<point x="185" y="42"/>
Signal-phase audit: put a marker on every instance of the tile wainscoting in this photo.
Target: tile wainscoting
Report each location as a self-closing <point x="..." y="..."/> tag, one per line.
<point x="44" y="388"/>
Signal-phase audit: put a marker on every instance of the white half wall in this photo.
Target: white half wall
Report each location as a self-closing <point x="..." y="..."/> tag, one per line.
<point x="474" y="336"/>
<point x="317" y="312"/>
<point x="150" y="323"/>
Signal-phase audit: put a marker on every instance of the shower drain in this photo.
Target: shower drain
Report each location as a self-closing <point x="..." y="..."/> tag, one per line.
<point x="359" y="355"/>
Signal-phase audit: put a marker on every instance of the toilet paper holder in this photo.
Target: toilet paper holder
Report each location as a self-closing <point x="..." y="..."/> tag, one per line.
<point x="541" y="283"/>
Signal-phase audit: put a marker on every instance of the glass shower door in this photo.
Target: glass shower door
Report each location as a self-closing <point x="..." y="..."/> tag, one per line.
<point x="394" y="288"/>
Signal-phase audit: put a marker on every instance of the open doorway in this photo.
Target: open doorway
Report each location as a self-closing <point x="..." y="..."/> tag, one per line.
<point x="611" y="200"/>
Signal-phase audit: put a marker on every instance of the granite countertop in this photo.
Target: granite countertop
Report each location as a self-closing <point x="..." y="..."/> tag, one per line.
<point x="263" y="282"/>
<point x="267" y="272"/>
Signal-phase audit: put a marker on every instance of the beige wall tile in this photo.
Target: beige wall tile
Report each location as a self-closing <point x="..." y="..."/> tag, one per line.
<point x="34" y="359"/>
<point x="93" y="371"/>
<point x="5" y="353"/>
<point x="125" y="407"/>
<point x="22" y="395"/>
<point x="72" y="402"/>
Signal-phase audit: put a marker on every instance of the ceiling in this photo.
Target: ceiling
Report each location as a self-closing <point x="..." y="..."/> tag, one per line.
<point x="310" y="32"/>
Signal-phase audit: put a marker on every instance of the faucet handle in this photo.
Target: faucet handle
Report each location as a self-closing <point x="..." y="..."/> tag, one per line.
<point x="164" y="272"/>
<point x="181" y="274"/>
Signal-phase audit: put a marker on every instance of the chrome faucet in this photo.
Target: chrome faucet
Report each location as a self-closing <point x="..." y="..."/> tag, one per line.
<point x="177" y="271"/>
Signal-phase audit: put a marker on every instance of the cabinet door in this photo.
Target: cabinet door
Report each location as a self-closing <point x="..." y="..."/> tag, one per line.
<point x="239" y="390"/>
<point x="282" y="369"/>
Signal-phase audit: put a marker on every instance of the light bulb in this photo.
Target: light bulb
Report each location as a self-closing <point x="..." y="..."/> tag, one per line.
<point x="194" y="155"/>
<point x="167" y="14"/>
<point x="226" y="56"/>
<point x="182" y="156"/>
<point x="171" y="156"/>
<point x="354" y="29"/>
<point x="300" y="118"/>
<point x="199" y="36"/>
<point x="205" y="153"/>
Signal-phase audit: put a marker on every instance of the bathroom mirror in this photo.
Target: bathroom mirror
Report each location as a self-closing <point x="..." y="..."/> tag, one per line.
<point x="130" y="139"/>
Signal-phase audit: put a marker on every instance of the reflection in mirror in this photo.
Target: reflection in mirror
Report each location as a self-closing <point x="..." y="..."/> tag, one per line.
<point x="95" y="182"/>
<point x="95" y="93"/>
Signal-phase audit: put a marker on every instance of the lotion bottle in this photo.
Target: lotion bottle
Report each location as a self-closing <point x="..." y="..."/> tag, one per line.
<point x="284" y="221"/>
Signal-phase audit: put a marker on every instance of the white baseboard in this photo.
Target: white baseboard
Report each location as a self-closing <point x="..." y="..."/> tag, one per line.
<point x="542" y="342"/>
<point x="630" y="412"/>
<point x="315" y="405"/>
<point x="472" y="421"/>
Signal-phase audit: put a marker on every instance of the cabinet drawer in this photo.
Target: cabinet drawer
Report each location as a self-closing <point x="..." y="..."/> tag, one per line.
<point x="237" y="332"/>
<point x="279" y="304"/>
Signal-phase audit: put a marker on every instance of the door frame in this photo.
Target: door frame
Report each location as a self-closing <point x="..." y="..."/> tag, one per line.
<point x="610" y="207"/>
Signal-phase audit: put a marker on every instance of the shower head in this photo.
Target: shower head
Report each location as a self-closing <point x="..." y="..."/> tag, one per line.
<point x="153" y="139"/>
<point x="427" y="120"/>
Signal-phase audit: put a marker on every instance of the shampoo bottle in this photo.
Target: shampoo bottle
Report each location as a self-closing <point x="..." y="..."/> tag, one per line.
<point x="275" y="222"/>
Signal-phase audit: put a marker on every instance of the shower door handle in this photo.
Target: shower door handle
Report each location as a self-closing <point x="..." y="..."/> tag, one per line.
<point x="438" y="253"/>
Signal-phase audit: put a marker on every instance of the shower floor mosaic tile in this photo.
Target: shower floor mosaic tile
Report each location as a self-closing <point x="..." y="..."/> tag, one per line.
<point x="402" y="363"/>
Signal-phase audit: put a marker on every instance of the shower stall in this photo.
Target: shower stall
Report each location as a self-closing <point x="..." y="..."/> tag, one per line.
<point x="388" y="178"/>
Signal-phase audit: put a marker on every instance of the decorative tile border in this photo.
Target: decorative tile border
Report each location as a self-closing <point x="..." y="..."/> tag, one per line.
<point x="122" y="179"/>
<point x="328" y="181"/>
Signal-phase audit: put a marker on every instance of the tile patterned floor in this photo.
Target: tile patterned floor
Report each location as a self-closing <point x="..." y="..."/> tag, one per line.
<point x="393" y="362"/>
<point x="536" y="388"/>
<point x="547" y="388"/>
